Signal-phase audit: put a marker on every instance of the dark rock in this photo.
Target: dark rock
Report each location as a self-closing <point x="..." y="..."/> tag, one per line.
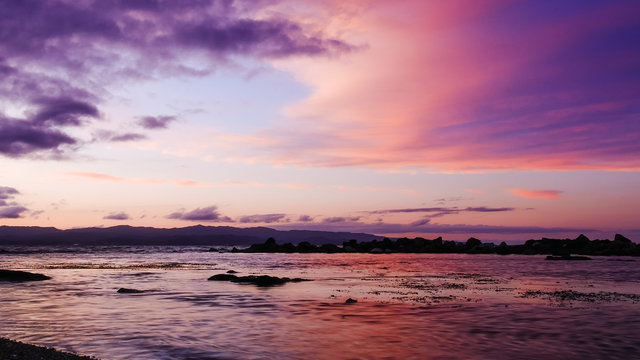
<point x="19" y="276"/>
<point x="222" y="277"/>
<point x="10" y="349"/>
<point x="620" y="238"/>
<point x="3" y="251"/>
<point x="213" y="250"/>
<point x="567" y="257"/>
<point x="259" y="280"/>
<point x="351" y="301"/>
<point x="232" y="272"/>
<point x="129" y="291"/>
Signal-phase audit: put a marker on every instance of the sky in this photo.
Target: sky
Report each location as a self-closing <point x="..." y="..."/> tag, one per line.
<point x="503" y="120"/>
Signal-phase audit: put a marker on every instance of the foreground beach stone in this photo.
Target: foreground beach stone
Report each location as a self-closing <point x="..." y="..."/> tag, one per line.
<point x="259" y="280"/>
<point x="20" y="276"/>
<point x="15" y="350"/>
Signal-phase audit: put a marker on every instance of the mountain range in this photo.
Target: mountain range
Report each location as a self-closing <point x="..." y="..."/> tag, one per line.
<point x="192" y="235"/>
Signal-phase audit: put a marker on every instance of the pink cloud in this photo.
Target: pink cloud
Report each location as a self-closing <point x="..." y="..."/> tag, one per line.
<point x="446" y="86"/>
<point x="183" y="182"/>
<point x="296" y="186"/>
<point x="476" y="191"/>
<point x="537" y="194"/>
<point x="97" y="176"/>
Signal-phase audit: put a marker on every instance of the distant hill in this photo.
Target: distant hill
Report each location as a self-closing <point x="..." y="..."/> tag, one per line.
<point x="192" y="235"/>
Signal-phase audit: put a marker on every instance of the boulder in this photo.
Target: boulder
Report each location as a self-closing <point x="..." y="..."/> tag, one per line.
<point x="20" y="276"/>
<point x="351" y="301"/>
<point x="259" y="280"/>
<point x="621" y="238"/>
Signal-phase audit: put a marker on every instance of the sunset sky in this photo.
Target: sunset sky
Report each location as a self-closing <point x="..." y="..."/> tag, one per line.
<point x="503" y="120"/>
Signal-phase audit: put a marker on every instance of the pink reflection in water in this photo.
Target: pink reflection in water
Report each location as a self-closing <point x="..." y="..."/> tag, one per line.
<point x="416" y="306"/>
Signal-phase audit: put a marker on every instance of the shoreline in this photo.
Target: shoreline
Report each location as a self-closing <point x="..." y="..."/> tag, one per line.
<point x="12" y="349"/>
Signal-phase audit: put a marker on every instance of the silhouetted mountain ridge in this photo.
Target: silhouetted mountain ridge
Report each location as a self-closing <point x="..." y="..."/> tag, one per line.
<point x="191" y="235"/>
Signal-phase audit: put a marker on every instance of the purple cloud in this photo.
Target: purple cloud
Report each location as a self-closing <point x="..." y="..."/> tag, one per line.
<point x="12" y="212"/>
<point x="440" y="211"/>
<point x="7" y="192"/>
<point x="156" y="122"/>
<point x="200" y="214"/>
<point x="339" y="219"/>
<point x="127" y="137"/>
<point x="20" y="137"/>
<point x="266" y="218"/>
<point x="117" y="216"/>
<point x="59" y="57"/>
<point x="63" y="111"/>
<point x="305" y="218"/>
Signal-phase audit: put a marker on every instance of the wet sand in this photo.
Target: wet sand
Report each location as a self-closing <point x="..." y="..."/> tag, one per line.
<point x="15" y="350"/>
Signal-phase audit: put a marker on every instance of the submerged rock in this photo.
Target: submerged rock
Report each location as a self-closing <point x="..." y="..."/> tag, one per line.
<point x="567" y="257"/>
<point x="259" y="280"/>
<point x="19" y="276"/>
<point x="129" y="291"/>
<point x="222" y="277"/>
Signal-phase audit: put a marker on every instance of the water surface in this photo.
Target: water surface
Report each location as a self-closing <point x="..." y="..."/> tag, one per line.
<point x="410" y="306"/>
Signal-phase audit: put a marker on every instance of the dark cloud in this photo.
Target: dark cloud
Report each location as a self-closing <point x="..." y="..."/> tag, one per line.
<point x="59" y="58"/>
<point x="200" y="214"/>
<point x="265" y="218"/>
<point x="7" y="192"/>
<point x="21" y="137"/>
<point x="110" y="136"/>
<point x="488" y="209"/>
<point x="10" y="209"/>
<point x="339" y="219"/>
<point x="12" y="212"/>
<point x="305" y="218"/>
<point x="63" y="111"/>
<point x="442" y="210"/>
<point x="156" y="122"/>
<point x="272" y="37"/>
<point x="117" y="216"/>
<point x="128" y="137"/>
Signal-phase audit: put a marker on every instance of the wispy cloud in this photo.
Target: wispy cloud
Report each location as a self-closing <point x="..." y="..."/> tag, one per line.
<point x="305" y="218"/>
<point x="156" y="122"/>
<point x="117" y="216"/>
<point x="433" y="106"/>
<point x="209" y="213"/>
<point x="448" y="210"/>
<point x="263" y="218"/>
<point x="537" y="194"/>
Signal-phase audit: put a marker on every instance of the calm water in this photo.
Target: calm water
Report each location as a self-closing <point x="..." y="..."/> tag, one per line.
<point x="410" y="306"/>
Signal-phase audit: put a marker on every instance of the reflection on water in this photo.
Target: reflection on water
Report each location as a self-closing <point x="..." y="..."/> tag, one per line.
<point x="410" y="306"/>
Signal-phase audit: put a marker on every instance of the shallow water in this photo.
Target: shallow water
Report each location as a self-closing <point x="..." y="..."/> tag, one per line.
<point x="410" y="306"/>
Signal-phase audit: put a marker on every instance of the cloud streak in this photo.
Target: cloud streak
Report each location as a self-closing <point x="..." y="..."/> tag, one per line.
<point x="117" y="216"/>
<point x="264" y="218"/>
<point x="537" y="194"/>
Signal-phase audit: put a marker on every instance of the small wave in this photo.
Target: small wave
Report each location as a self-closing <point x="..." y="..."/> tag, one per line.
<point x="137" y="266"/>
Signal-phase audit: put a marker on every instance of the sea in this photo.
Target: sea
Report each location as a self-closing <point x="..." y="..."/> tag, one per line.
<point x="407" y="306"/>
